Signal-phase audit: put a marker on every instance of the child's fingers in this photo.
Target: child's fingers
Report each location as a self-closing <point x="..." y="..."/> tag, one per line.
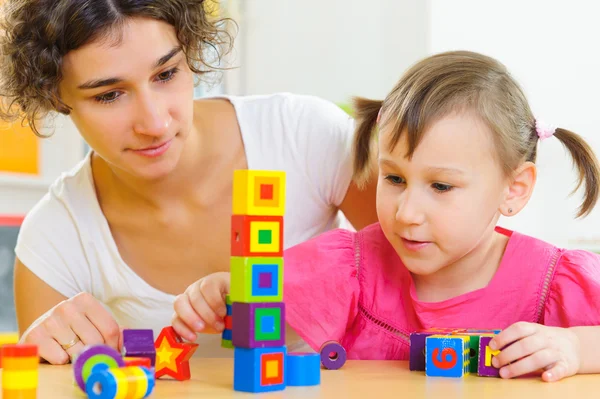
<point x="518" y="350"/>
<point x="185" y="311"/>
<point x="201" y="307"/>
<point x="512" y="334"/>
<point x="556" y="372"/>
<point x="182" y="329"/>
<point x="529" y="364"/>
<point x="211" y="289"/>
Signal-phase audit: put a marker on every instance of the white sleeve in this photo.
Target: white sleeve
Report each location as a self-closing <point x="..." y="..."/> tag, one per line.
<point x="324" y="136"/>
<point x="50" y="246"/>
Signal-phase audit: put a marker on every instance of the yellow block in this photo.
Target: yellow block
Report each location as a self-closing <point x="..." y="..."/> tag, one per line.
<point x="19" y="149"/>
<point x="9" y="338"/>
<point x="19" y="379"/>
<point x="249" y="198"/>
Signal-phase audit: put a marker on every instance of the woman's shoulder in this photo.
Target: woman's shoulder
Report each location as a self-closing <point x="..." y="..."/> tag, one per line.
<point x="70" y="191"/>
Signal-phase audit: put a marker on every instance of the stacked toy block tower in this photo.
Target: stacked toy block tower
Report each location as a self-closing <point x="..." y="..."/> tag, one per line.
<point x="256" y="293"/>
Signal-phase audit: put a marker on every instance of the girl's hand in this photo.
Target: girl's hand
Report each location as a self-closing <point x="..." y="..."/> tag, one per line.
<point x="529" y="347"/>
<point x="202" y="308"/>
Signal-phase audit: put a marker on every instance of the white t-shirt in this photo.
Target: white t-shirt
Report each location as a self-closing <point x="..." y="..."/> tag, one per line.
<point x="66" y="241"/>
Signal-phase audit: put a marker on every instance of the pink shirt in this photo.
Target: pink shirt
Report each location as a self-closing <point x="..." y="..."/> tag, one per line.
<point x="353" y="288"/>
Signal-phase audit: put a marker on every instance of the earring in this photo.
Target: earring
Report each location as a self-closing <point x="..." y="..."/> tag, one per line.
<point x="509" y="210"/>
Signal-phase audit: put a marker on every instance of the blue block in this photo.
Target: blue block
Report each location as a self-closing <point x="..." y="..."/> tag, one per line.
<point x="229" y="310"/>
<point x="303" y="369"/>
<point x="447" y="356"/>
<point x="259" y="369"/>
<point x="227" y="334"/>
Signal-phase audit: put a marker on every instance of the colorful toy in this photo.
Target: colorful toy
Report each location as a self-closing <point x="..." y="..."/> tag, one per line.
<point x="447" y="356"/>
<point x="257" y="325"/>
<point x="259" y="192"/>
<point x="93" y="359"/>
<point x="7" y="338"/>
<point x="303" y="369"/>
<point x="126" y="382"/>
<point x="227" y="332"/>
<point x="139" y="343"/>
<point x="138" y="361"/>
<point x="256" y="236"/>
<point x="256" y="279"/>
<point x="173" y="355"/>
<point x="333" y="355"/>
<point x="258" y="311"/>
<point x="20" y="374"/>
<point x="259" y="369"/>
<point x="485" y="367"/>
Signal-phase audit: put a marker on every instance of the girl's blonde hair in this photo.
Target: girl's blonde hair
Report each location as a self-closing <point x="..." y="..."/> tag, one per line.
<point x="462" y="80"/>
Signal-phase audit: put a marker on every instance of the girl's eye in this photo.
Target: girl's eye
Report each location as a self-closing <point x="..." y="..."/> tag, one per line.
<point x="107" y="97"/>
<point x="394" y="179"/>
<point x="441" y="188"/>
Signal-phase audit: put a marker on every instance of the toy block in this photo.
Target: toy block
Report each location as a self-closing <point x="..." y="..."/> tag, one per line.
<point x="139" y="343"/>
<point x="92" y="359"/>
<point x="474" y="335"/>
<point x="173" y="355"/>
<point x="333" y="355"/>
<point x="138" y="361"/>
<point x="20" y="371"/>
<point x="7" y="338"/>
<point x="303" y="369"/>
<point x="259" y="369"/>
<point x="258" y="192"/>
<point x="417" y="345"/>
<point x="258" y="325"/>
<point x="256" y="279"/>
<point x="485" y="368"/>
<point x="227" y="332"/>
<point x="255" y="236"/>
<point x="126" y="382"/>
<point x="447" y="356"/>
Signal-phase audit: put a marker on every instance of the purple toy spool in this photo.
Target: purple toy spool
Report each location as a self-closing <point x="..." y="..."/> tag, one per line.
<point x="95" y="358"/>
<point x="335" y="361"/>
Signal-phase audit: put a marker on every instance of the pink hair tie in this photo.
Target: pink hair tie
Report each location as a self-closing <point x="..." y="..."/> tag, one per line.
<point x="543" y="130"/>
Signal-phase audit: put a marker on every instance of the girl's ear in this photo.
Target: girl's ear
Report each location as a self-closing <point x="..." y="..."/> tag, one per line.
<point x="519" y="190"/>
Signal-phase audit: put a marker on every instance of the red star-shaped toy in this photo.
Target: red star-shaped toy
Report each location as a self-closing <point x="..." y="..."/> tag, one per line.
<point x="173" y="355"/>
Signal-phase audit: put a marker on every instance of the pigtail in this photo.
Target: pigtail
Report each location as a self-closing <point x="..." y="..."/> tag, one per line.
<point x="587" y="166"/>
<point x="365" y="112"/>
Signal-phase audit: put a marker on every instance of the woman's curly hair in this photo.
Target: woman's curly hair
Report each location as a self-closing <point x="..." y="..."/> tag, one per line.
<point x="37" y="34"/>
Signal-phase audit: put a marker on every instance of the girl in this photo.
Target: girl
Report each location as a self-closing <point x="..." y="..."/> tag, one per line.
<point x="456" y="149"/>
<point x="146" y="213"/>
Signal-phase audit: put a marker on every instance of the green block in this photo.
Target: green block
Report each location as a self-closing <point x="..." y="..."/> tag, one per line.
<point x="241" y="279"/>
<point x="264" y="237"/>
<point x="474" y="352"/>
<point x="259" y="315"/>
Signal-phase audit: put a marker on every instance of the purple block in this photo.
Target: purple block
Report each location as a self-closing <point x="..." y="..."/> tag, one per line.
<point x="417" y="350"/>
<point x="139" y="343"/>
<point x="247" y="320"/>
<point x="264" y="280"/>
<point x="482" y="369"/>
